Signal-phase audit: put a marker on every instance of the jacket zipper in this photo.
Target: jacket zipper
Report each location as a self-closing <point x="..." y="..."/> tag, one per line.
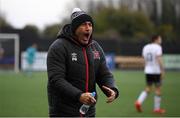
<point x="87" y="68"/>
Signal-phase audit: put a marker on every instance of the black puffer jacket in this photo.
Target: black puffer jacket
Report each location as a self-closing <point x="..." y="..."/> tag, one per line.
<point x="72" y="70"/>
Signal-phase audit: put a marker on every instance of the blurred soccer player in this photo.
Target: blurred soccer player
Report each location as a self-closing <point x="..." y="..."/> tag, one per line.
<point x="154" y="71"/>
<point x="30" y="57"/>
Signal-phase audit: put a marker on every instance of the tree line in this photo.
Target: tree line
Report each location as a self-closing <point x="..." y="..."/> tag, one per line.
<point x="120" y="23"/>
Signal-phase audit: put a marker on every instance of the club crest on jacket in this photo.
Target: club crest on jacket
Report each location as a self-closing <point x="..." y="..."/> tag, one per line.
<point x="96" y="54"/>
<point x="74" y="56"/>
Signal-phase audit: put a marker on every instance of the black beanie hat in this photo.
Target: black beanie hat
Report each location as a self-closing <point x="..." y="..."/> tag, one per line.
<point x="78" y="17"/>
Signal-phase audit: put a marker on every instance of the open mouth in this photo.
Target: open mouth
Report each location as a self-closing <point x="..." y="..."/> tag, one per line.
<point x="86" y="35"/>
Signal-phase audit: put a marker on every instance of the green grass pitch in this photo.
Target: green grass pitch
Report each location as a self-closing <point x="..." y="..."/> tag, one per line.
<point x="22" y="95"/>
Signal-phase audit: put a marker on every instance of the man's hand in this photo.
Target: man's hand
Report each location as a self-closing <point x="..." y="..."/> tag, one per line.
<point x="111" y="94"/>
<point x="87" y="98"/>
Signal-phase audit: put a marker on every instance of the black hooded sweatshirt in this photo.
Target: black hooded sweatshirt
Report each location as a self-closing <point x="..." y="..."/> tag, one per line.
<point x="72" y="70"/>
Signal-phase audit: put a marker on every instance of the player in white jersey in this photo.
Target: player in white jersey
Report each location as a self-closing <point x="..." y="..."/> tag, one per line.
<point x="154" y="71"/>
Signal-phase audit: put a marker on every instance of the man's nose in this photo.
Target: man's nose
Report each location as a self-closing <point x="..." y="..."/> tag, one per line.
<point x="87" y="26"/>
